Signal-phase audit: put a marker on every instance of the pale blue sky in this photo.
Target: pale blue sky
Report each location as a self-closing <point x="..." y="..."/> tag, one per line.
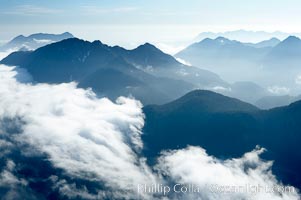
<point x="130" y="22"/>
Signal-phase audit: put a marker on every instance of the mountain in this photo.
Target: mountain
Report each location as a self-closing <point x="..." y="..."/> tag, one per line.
<point x="229" y="52"/>
<point x="266" y="43"/>
<point x="232" y="53"/>
<point x="192" y="118"/>
<point x="245" y="36"/>
<point x="236" y="61"/>
<point x="227" y="127"/>
<point x="153" y="61"/>
<point x="113" y="71"/>
<point x="269" y="102"/>
<point x="285" y="54"/>
<point x="247" y="91"/>
<point x="34" y="41"/>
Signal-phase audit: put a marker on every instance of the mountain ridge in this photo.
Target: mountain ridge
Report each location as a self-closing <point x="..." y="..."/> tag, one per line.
<point x="34" y="41"/>
<point x="74" y="59"/>
<point x="226" y="133"/>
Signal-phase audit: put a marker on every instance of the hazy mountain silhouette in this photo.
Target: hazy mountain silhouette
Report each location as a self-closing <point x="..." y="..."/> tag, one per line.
<point x="153" y="61"/>
<point x="227" y="127"/>
<point x="286" y="54"/>
<point x="34" y="41"/>
<point x="269" y="102"/>
<point x="220" y="52"/>
<point x="261" y="63"/>
<point x="245" y="36"/>
<point x="246" y="91"/>
<point x="114" y="71"/>
<point x="232" y="53"/>
<point x="266" y="43"/>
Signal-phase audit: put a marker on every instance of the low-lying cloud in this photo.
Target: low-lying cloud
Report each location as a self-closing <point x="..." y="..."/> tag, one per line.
<point x="87" y="137"/>
<point x="247" y="177"/>
<point x="279" y="90"/>
<point x="76" y="145"/>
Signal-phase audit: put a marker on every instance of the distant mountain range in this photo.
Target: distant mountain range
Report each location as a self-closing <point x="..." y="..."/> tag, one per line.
<point x="269" y="53"/>
<point x="269" y="102"/>
<point x="220" y="52"/>
<point x="33" y="41"/>
<point x="268" y="63"/>
<point x="145" y="72"/>
<point x="266" y="43"/>
<point x="246" y="36"/>
<point x="227" y="127"/>
<point x="285" y="54"/>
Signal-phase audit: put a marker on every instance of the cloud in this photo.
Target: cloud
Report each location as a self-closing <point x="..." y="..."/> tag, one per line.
<point x="218" y="179"/>
<point x="221" y="89"/>
<point x="89" y="138"/>
<point x="183" y="61"/>
<point x="92" y="10"/>
<point x="31" y="10"/>
<point x="6" y="53"/>
<point x="278" y="90"/>
<point x="298" y="80"/>
<point x="171" y="49"/>
<point x="12" y="187"/>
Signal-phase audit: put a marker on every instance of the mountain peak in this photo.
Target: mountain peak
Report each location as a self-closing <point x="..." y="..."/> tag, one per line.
<point x="217" y="41"/>
<point x="291" y="39"/>
<point x="97" y="42"/>
<point x="290" y="43"/>
<point x="209" y="101"/>
<point x="274" y="39"/>
<point x="35" y="41"/>
<point x="147" y="46"/>
<point x="67" y="34"/>
<point x="223" y="40"/>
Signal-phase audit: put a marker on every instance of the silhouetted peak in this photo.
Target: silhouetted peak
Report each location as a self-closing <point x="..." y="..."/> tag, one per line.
<point x="222" y="39"/>
<point x="199" y="94"/>
<point x="147" y="46"/>
<point x="97" y="42"/>
<point x="67" y="34"/>
<point x="274" y="39"/>
<point x="217" y="41"/>
<point x="206" y="40"/>
<point x="71" y="40"/>
<point x="209" y="101"/>
<point x="19" y="37"/>
<point x="291" y="39"/>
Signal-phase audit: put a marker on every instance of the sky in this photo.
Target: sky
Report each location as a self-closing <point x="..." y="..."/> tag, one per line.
<point x="132" y="22"/>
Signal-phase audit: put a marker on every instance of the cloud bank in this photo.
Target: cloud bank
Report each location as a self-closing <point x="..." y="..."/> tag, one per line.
<point x="247" y="177"/>
<point x="58" y="141"/>
<point x="89" y="138"/>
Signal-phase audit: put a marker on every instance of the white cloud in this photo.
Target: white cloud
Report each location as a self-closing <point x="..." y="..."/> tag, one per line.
<point x="31" y="10"/>
<point x="45" y="41"/>
<point x="192" y="167"/>
<point x="170" y="48"/>
<point x="15" y="187"/>
<point x="89" y="138"/>
<point x="183" y="61"/>
<point x="221" y="88"/>
<point x="6" y="53"/>
<point x="92" y="10"/>
<point x="279" y="90"/>
<point x="7" y="177"/>
<point x="298" y="80"/>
